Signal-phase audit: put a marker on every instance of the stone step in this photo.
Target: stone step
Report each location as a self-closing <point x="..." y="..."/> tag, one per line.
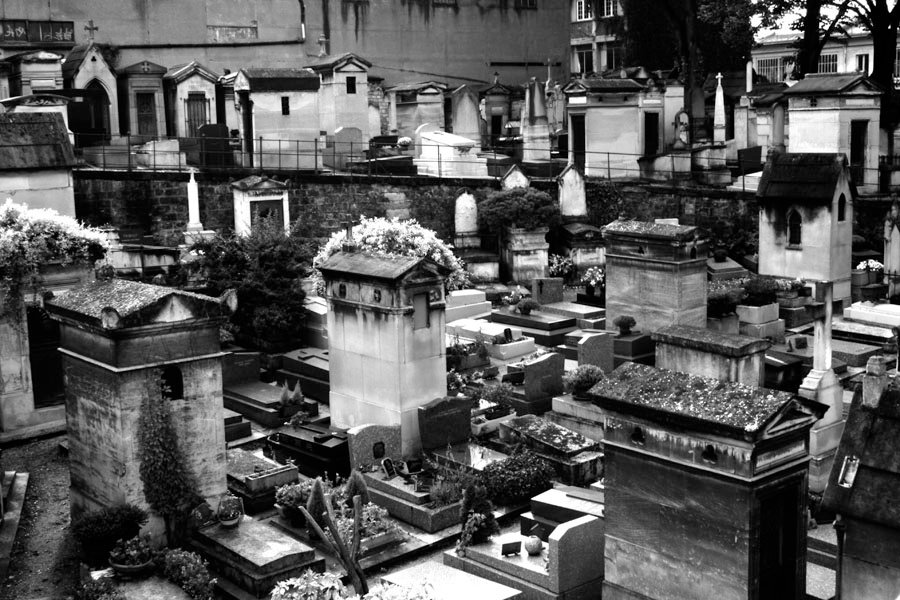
<point x="231" y="417"/>
<point x="536" y="321"/>
<point x="821" y="553"/>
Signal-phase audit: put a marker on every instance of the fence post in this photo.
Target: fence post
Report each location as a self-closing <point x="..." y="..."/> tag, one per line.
<point x="316" y="151"/>
<point x="260" y="153"/>
<point x="439" y="160"/>
<point x="103" y="154"/>
<point x="128" y="150"/>
<point x="608" y="168"/>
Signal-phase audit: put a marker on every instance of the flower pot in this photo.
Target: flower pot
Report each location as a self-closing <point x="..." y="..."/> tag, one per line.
<point x="876" y="276"/>
<point x="230" y="523"/>
<point x="859" y="277"/>
<point x="132" y="571"/>
<point x="291" y="514"/>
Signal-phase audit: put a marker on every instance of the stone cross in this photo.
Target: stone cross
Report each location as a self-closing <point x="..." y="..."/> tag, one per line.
<point x="719" y="113"/>
<point x="90" y="28"/>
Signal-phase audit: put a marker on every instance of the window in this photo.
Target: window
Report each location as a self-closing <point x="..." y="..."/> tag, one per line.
<point x="813" y="102"/>
<point x="770" y="68"/>
<point x="420" y="311"/>
<point x="376" y="296"/>
<point x="608" y="8"/>
<point x="795" y="226"/>
<point x="285" y="105"/>
<point x="351" y="85"/>
<point x="828" y="63"/>
<point x="584" y="10"/>
<point x="862" y="63"/>
<point x="532" y="4"/>
<point x="615" y="56"/>
<point x="172" y="383"/>
<point x="897" y="63"/>
<point x="583" y="59"/>
<point x="342" y="291"/>
<point x="842" y="208"/>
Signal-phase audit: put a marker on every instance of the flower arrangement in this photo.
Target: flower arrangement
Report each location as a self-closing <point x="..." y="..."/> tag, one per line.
<point x="393" y="237"/>
<point x="788" y="285"/>
<point x="870" y="265"/>
<point x="294" y="495"/>
<point x="527" y="305"/>
<point x="624" y="323"/>
<point x="513" y="298"/>
<point x="477" y="518"/>
<point x="136" y="551"/>
<point x="561" y="266"/>
<point x="99" y="589"/>
<point x="760" y="291"/>
<point x="230" y="508"/>
<point x="189" y="572"/>
<point x="582" y="378"/>
<point x="373" y="521"/>
<point x="32" y="238"/>
<point x="310" y="586"/>
<point x="404" y="142"/>
<point x="594" y="276"/>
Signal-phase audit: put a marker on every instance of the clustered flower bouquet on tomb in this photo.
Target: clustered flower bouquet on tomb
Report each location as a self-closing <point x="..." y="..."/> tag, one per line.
<point x="593" y="278"/>
<point x="874" y="269"/>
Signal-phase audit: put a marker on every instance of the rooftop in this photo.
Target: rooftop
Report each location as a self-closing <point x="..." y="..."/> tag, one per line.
<point x="274" y="80"/>
<point x="817" y="84"/>
<point x="731" y="406"/>
<point x="649" y="229"/>
<point x="330" y="62"/>
<point x="376" y="266"/>
<point x="810" y="177"/>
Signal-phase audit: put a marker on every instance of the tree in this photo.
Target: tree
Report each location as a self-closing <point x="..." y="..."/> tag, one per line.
<point x="881" y="20"/>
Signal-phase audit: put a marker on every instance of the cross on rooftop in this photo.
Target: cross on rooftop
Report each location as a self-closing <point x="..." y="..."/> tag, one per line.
<point x="91" y="28"/>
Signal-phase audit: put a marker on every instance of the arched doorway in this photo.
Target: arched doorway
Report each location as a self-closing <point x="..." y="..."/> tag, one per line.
<point x="99" y="108"/>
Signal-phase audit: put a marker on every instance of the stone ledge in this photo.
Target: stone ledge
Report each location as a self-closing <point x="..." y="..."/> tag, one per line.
<point x="706" y="340"/>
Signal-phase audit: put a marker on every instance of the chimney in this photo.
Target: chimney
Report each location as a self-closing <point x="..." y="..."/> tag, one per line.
<point x="323" y="46"/>
<point x="349" y="244"/>
<point x="874" y="381"/>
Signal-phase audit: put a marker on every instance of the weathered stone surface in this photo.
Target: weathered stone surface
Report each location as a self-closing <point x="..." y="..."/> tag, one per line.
<point x="572" y="199"/>
<point x="547" y="290"/>
<point x="450" y="584"/>
<point x="546" y="436"/>
<point x="465" y="214"/>
<point x="543" y="375"/>
<point x="445" y="421"/>
<point x="369" y="444"/>
<point x="597" y="349"/>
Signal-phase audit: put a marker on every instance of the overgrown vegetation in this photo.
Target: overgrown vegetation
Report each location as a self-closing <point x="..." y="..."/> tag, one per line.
<point x="525" y="208"/>
<point x="97" y="531"/>
<point x="264" y="268"/>
<point x="517" y="478"/>
<point x="189" y="572"/>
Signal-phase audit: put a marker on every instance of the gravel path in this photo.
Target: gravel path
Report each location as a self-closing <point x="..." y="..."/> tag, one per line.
<point x="44" y="562"/>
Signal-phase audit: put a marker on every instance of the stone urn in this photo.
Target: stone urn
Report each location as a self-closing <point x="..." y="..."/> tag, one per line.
<point x="534" y="545"/>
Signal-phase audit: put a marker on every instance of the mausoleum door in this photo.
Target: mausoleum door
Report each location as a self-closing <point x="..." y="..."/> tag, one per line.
<point x="858" y="137"/>
<point x="46" y="362"/>
<point x="651" y="134"/>
<point x="146" y="113"/>
<point x="578" y="140"/>
<point x="196" y="109"/>
<point x="779" y="545"/>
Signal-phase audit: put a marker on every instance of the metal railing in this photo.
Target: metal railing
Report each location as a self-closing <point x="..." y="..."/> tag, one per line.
<point x="377" y="157"/>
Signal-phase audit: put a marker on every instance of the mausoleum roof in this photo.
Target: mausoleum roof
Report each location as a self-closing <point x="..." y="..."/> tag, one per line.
<point x="377" y="266"/>
<point x="332" y="62"/>
<point x="280" y="79"/>
<point x="179" y="73"/>
<point x="133" y="301"/>
<point x="649" y="229"/>
<point x="76" y="57"/>
<point x="731" y="408"/>
<point x="819" y="84"/>
<point x="707" y="340"/>
<point x="37" y="140"/>
<point x="870" y="434"/>
<point x="258" y="182"/>
<point x="810" y="177"/>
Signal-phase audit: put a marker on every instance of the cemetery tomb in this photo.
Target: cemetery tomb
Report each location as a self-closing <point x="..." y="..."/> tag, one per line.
<point x="258" y="401"/>
<point x="314" y="447"/>
<point x="525" y="253"/>
<point x="558" y="505"/>
<point x="467" y="304"/>
<point x="447" y="155"/>
<point x="258" y="197"/>
<point x="309" y="367"/>
<point x="577" y="415"/>
<point x="547" y="329"/>
<point x="725" y="269"/>
<point x="806" y="219"/>
<point x="862" y="488"/>
<point x="316" y="325"/>
<point x="655" y="273"/>
<point x="577" y="460"/>
<point x="728" y="453"/>
<point x="254" y="478"/>
<point x="386" y="326"/>
<point x="535" y="382"/>
<point x="117" y="336"/>
<point x="734" y="358"/>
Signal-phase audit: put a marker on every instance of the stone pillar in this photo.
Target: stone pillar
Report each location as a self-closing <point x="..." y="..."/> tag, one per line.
<point x="194" y="231"/>
<point x="777" y="141"/>
<point x="535" y="127"/>
<point x="823" y="386"/>
<point x="719" y="114"/>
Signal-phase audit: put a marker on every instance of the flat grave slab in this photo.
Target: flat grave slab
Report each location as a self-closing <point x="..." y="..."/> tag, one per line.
<point x="312" y="362"/>
<point x="448" y="583"/>
<point x="857" y="332"/>
<point x="471" y="328"/>
<point x="458" y="298"/>
<point x="886" y="315"/>
<point x="853" y="354"/>
<point x="547" y="436"/>
<point x="572" y="309"/>
<point x="256" y="546"/>
<point x="257" y="393"/>
<point x="152" y="588"/>
<point x="536" y="320"/>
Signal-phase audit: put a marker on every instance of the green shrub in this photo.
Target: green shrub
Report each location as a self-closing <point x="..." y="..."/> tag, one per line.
<point x="356" y="486"/>
<point x="476" y="516"/>
<point x="316" y="506"/>
<point x="625" y="323"/>
<point x="97" y="531"/>
<point x="526" y="208"/>
<point x="582" y="378"/>
<point x="517" y="478"/>
<point x="527" y="305"/>
<point x="760" y="291"/>
<point x="720" y="303"/>
<point x="188" y="571"/>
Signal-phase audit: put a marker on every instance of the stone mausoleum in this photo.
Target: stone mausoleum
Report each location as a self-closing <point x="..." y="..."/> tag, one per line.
<point x="706" y="487"/>
<point x="386" y="340"/>
<point x="120" y="341"/>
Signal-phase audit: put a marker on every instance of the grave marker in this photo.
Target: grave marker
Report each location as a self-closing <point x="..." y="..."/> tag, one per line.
<point x="445" y="421"/>
<point x="369" y="444"/>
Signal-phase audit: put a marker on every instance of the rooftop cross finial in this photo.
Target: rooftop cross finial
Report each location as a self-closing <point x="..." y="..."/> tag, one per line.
<point x="719" y="78"/>
<point x="91" y="28"/>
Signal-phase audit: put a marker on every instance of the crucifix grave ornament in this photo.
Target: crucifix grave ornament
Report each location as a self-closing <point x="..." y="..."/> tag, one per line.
<point x="91" y="28"/>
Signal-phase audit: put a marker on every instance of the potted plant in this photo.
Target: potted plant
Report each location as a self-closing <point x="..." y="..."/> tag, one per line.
<point x="759" y="305"/>
<point x="593" y="278"/>
<point x="624" y="323"/>
<point x="133" y="557"/>
<point x="527" y="305"/>
<point x="561" y="266"/>
<point x="99" y="530"/>
<point x="874" y="268"/>
<point x="230" y="511"/>
<point x="289" y="498"/>
<point x="581" y="379"/>
<point x="498" y="395"/>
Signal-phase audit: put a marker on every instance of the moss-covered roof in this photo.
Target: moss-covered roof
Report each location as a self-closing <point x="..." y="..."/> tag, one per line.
<point x="127" y="298"/>
<point x="726" y="405"/>
<point x="707" y="340"/>
<point x="649" y="229"/>
<point x="376" y="266"/>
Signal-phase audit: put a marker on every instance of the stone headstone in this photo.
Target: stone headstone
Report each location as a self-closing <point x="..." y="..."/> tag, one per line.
<point x="572" y="198"/>
<point x="597" y="349"/>
<point x="388" y="468"/>
<point x="423" y="128"/>
<point x="465" y="221"/>
<point x="445" y="421"/>
<point x="547" y="289"/>
<point x="515" y="178"/>
<point x="466" y="116"/>
<point x="369" y="444"/>
<point x="348" y="141"/>
<point x="543" y="375"/>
